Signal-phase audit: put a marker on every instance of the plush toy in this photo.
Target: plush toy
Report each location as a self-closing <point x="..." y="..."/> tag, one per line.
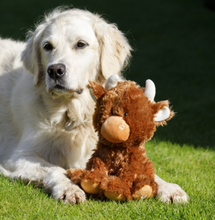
<point x="125" y="117"/>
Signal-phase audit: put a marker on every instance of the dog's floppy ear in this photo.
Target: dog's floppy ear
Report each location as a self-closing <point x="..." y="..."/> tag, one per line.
<point x="31" y="55"/>
<point x="115" y="49"/>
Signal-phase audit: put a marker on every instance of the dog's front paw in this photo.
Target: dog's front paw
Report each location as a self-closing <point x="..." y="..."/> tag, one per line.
<point x="62" y="187"/>
<point x="70" y="193"/>
<point x="173" y="193"/>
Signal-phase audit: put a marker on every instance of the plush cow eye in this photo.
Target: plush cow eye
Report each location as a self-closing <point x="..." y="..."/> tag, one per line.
<point x="48" y="46"/>
<point x="81" y="44"/>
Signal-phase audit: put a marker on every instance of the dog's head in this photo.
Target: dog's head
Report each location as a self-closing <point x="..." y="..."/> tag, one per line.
<point x="71" y="47"/>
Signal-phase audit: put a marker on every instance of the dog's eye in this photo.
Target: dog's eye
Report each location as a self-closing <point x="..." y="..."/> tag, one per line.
<point x="47" y="46"/>
<point x="81" y="44"/>
<point x="125" y="114"/>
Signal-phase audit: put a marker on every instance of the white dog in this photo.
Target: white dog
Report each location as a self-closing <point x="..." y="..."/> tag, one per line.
<point x="45" y="106"/>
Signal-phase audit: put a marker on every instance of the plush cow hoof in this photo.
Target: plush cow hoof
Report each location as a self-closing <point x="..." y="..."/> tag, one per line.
<point x="90" y="187"/>
<point x="143" y="193"/>
<point x="114" y="196"/>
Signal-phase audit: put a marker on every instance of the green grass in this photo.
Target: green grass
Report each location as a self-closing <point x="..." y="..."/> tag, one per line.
<point x="191" y="168"/>
<point x="174" y="46"/>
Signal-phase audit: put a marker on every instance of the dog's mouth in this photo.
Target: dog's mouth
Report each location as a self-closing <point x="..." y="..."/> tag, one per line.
<point x="59" y="89"/>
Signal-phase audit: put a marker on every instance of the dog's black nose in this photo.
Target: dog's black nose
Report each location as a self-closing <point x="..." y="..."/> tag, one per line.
<point x="56" y="71"/>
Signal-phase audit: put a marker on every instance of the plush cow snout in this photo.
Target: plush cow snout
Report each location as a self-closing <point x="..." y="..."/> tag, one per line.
<point x="56" y="71"/>
<point x="115" y="129"/>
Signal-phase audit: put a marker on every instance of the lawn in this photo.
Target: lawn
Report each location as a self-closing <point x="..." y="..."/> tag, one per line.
<point x="174" y="46"/>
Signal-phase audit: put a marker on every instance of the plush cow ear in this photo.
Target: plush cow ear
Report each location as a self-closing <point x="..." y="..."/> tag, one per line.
<point x="115" y="49"/>
<point x="162" y="114"/>
<point x="112" y="81"/>
<point x="96" y="90"/>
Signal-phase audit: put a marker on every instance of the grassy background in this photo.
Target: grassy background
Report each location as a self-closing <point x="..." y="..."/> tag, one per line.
<point x="174" y="46"/>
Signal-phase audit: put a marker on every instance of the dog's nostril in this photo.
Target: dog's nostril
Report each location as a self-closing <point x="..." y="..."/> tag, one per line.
<point x="60" y="71"/>
<point x="56" y="70"/>
<point x="50" y="72"/>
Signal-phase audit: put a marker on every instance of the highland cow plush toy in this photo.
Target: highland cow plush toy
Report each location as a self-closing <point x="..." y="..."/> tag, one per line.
<point x="125" y="117"/>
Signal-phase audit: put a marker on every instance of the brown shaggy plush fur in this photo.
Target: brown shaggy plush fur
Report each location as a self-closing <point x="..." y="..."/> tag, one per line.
<point x="122" y="168"/>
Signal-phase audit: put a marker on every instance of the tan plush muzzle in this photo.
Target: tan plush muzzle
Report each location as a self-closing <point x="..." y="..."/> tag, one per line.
<point x="115" y="129"/>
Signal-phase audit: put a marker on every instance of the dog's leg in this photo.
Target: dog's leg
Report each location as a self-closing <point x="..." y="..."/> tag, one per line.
<point x="33" y="168"/>
<point x="170" y="192"/>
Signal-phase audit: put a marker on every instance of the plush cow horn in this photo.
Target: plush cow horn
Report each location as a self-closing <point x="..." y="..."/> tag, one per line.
<point x="150" y="90"/>
<point x="112" y="81"/>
